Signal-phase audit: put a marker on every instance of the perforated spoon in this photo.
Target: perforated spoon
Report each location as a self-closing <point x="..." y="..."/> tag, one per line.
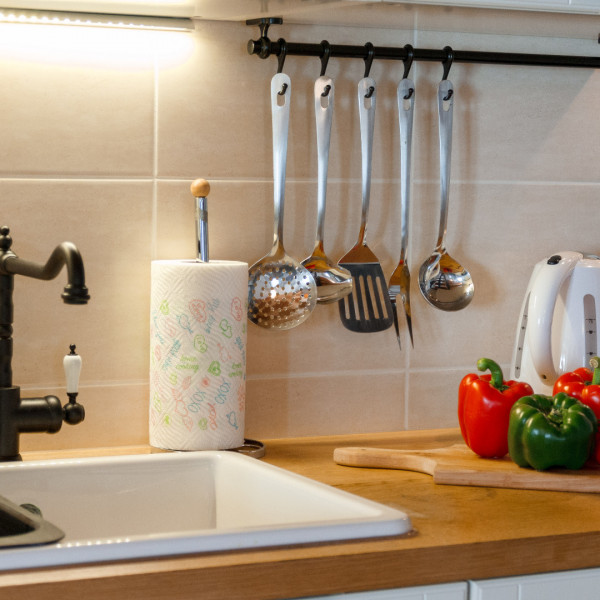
<point x="333" y="282"/>
<point x="444" y="282"/>
<point x="281" y="292"/>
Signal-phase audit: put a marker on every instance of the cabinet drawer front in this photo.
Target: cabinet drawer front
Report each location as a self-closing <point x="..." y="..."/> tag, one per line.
<point x="579" y="585"/>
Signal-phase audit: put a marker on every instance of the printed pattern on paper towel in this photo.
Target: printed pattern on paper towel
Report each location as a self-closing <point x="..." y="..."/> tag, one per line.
<point x="198" y="353"/>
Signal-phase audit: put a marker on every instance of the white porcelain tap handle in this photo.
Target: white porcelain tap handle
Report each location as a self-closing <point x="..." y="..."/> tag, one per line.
<point x="72" y="366"/>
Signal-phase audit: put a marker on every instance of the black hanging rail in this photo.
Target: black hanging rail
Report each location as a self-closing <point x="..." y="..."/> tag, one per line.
<point x="264" y="47"/>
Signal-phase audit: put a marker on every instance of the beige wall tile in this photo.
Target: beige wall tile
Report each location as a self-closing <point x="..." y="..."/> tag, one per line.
<point x="236" y="87"/>
<point x="115" y="415"/>
<point x="434" y="398"/>
<point x="75" y="103"/>
<point x="111" y="225"/>
<point x="498" y="232"/>
<point x="511" y="123"/>
<point x="301" y="406"/>
<point x="240" y="220"/>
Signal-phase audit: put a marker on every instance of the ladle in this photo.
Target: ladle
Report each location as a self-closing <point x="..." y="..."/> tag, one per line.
<point x="444" y="282"/>
<point x="333" y="282"/>
<point x="281" y="292"/>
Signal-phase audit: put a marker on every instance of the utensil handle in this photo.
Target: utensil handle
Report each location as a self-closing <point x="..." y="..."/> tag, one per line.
<point x="406" y="103"/>
<point x="367" y="95"/>
<point x="281" y="90"/>
<point x="445" y="106"/>
<point x="382" y="458"/>
<point x="324" y="95"/>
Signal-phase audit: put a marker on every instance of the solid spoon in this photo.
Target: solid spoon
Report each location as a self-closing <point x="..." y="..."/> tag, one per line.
<point x="333" y="282"/>
<point x="281" y="292"/>
<point x="444" y="282"/>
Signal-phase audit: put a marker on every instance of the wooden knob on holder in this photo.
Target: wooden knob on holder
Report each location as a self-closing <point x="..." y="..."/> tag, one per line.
<point x="200" y="188"/>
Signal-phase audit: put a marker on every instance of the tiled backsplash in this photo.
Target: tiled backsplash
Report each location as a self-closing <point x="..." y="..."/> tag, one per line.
<point x="101" y="138"/>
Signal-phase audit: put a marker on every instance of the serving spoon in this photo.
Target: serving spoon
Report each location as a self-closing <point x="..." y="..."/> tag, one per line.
<point x="443" y="281"/>
<point x="333" y="282"/>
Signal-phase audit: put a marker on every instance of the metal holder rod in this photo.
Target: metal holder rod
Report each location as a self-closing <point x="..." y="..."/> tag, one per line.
<point x="264" y="48"/>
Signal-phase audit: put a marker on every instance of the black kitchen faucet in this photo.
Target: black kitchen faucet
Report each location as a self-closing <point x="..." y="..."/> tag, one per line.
<point x="26" y="415"/>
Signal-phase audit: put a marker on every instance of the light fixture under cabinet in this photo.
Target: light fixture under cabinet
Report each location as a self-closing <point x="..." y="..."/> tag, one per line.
<point x="38" y="17"/>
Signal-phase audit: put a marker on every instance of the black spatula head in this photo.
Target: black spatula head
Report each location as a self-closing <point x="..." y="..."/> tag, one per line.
<point x="368" y="308"/>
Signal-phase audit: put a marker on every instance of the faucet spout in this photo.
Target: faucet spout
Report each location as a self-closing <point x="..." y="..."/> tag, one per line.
<point x="75" y="292"/>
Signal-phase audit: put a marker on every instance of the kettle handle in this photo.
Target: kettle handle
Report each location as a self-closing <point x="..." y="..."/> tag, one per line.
<point x="544" y="292"/>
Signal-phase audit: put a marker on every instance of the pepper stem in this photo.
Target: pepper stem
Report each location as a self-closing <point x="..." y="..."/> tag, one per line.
<point x="497" y="379"/>
<point x="595" y="364"/>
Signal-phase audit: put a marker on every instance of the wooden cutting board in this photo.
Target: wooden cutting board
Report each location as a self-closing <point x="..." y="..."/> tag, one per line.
<point x="458" y="465"/>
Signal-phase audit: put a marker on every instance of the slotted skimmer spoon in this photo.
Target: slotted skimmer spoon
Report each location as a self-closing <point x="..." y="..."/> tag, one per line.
<point x="368" y="307"/>
<point x="333" y="282"/>
<point x="281" y="292"/>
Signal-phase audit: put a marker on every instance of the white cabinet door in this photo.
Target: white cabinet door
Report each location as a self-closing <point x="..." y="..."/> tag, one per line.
<point x="594" y="5"/>
<point x="524" y="4"/>
<point x="548" y="5"/>
<point x="576" y="585"/>
<point x="446" y="591"/>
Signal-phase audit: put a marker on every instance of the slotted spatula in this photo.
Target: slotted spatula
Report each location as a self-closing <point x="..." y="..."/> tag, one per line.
<point x="368" y="307"/>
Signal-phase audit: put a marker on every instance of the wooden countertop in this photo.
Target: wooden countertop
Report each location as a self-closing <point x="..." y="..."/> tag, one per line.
<point x="461" y="533"/>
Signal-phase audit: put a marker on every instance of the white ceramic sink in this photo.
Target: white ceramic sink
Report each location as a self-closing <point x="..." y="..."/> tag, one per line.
<point x="152" y="505"/>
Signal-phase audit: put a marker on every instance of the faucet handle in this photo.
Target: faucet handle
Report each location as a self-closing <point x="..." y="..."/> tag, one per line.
<point x="72" y="366"/>
<point x="73" y="412"/>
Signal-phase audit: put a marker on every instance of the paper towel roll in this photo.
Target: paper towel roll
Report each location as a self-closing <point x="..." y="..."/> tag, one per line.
<point x="198" y="354"/>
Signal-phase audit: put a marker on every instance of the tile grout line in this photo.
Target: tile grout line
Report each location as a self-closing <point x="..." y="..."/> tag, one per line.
<point x="154" y="177"/>
<point x="87" y="385"/>
<point x="154" y="234"/>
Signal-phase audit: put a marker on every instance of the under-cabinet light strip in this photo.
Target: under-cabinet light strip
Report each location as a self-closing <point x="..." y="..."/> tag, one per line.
<point x="37" y="17"/>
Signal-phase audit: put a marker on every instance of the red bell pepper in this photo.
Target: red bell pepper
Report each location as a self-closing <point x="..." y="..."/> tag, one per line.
<point x="484" y="404"/>
<point x="583" y="384"/>
<point x="573" y="383"/>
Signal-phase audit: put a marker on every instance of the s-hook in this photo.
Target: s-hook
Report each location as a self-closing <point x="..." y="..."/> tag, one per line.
<point x="447" y="62"/>
<point x="325" y="56"/>
<point x="280" y="60"/>
<point x="410" y="54"/>
<point x="324" y="61"/>
<point x="368" y="63"/>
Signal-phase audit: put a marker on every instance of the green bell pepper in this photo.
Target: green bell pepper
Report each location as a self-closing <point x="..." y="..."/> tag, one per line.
<point x="546" y="431"/>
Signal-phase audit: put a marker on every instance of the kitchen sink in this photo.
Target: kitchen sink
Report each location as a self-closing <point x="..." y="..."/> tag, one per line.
<point x="25" y="526"/>
<point x="127" y="507"/>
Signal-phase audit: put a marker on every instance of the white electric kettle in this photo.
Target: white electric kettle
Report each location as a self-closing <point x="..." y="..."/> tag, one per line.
<point x="557" y="329"/>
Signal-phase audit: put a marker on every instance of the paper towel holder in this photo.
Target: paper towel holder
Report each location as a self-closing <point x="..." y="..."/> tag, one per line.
<point x="200" y="189"/>
<point x="252" y="448"/>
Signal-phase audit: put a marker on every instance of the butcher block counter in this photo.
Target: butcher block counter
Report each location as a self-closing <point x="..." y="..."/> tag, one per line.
<point x="460" y="533"/>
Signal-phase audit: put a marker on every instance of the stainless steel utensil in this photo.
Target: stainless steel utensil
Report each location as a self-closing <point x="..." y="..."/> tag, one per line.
<point x="400" y="280"/>
<point x="333" y="282"/>
<point x="444" y="282"/>
<point x="368" y="307"/>
<point x="281" y="292"/>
